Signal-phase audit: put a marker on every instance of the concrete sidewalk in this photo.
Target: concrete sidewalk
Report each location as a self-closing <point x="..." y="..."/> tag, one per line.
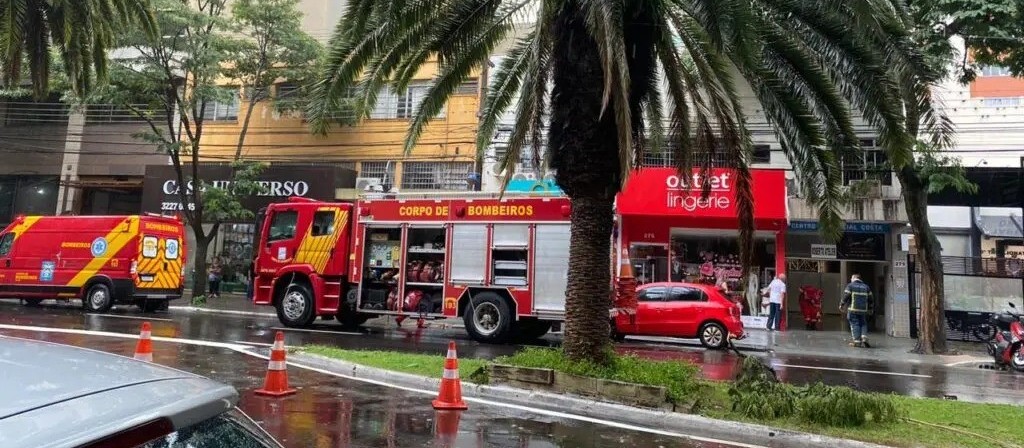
<point x="790" y="343"/>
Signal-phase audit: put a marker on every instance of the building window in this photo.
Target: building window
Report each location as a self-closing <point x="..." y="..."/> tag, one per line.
<point x="222" y="110"/>
<point x="27" y="195"/>
<point x="470" y="87"/>
<point x="761" y="154"/>
<point x="394" y="105"/>
<point x="287" y="90"/>
<point x="436" y="175"/>
<point x="385" y="171"/>
<point x="994" y="70"/>
<point x="870" y="163"/>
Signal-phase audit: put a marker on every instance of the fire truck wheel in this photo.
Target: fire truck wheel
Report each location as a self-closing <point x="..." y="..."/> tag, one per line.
<point x="488" y="318"/>
<point x="98" y="299"/>
<point x="528" y="330"/>
<point x="33" y="302"/>
<point x="296" y="308"/>
<point x="349" y="318"/>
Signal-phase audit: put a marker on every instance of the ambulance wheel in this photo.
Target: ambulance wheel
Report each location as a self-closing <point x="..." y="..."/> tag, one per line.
<point x="152" y="306"/>
<point x="488" y="318"/>
<point x="33" y="302"/>
<point x="98" y="299"/>
<point x="296" y="308"/>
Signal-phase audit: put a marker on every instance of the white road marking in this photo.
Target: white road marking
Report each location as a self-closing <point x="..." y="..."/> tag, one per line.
<point x="307" y="330"/>
<point x="131" y="317"/>
<point x="261" y="344"/>
<point x="243" y="349"/>
<point x="836" y="369"/>
<point x="972" y="361"/>
<point x="193" y="309"/>
<point x="546" y="412"/>
<point x="237" y="347"/>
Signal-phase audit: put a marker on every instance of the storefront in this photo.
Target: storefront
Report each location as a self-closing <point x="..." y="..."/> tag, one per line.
<point x="234" y="242"/>
<point x="864" y="249"/>
<point x="671" y="232"/>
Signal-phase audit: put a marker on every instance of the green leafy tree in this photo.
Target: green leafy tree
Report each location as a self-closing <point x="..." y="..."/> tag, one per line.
<point x="168" y="82"/>
<point x="81" y="32"/>
<point x="275" y="49"/>
<point x="600" y="77"/>
<point x="992" y="33"/>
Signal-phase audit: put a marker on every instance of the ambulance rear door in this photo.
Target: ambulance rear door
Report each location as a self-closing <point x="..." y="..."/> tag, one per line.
<point x="161" y="255"/>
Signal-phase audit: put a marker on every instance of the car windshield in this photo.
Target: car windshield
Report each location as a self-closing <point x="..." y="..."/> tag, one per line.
<point x="229" y="430"/>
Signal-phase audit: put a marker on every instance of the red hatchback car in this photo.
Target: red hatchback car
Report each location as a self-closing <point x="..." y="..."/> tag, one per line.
<point x="683" y="310"/>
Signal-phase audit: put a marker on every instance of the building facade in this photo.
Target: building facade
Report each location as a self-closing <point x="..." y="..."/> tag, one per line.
<point x="74" y="161"/>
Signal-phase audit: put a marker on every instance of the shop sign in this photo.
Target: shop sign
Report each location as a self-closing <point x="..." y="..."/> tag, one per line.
<point x="664" y="192"/>
<point x="862" y="246"/>
<point x="851" y="227"/>
<point x="161" y="190"/>
<point x="824" y="251"/>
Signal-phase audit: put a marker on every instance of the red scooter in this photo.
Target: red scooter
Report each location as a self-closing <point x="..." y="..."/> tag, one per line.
<point x="1008" y="346"/>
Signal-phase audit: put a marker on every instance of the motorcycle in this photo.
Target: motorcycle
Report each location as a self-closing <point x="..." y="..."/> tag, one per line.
<point x="1008" y="346"/>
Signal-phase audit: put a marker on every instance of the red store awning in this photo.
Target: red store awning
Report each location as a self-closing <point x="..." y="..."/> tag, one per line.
<point x="661" y="194"/>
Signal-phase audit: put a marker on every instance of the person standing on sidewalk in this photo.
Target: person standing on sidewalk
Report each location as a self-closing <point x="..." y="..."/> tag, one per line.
<point x="776" y="297"/>
<point x="858" y="303"/>
<point x="215" y="272"/>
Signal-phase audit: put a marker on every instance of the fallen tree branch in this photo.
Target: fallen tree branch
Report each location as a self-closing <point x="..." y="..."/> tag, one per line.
<point x="964" y="432"/>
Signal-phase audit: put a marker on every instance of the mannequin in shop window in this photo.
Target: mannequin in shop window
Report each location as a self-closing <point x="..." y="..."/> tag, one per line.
<point x="678" y="270"/>
<point x="753" y="294"/>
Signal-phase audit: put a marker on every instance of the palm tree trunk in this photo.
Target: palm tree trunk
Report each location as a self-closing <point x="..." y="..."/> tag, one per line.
<point x="931" y="337"/>
<point x="583" y="149"/>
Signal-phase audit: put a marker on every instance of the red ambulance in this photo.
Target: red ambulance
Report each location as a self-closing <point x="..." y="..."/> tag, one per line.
<point x="102" y="260"/>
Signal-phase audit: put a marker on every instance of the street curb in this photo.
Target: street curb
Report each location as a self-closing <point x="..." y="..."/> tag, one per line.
<point x="692" y="343"/>
<point x="195" y="309"/>
<point x="696" y="426"/>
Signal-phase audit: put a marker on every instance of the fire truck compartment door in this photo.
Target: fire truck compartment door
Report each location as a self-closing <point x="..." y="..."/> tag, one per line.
<point x="551" y="266"/>
<point x="469" y="254"/>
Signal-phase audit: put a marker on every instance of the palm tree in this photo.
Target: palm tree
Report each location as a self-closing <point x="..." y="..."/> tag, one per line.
<point x="79" y="31"/>
<point x="601" y="77"/>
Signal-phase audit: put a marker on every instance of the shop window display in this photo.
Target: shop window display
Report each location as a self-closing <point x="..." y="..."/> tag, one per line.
<point x="716" y="261"/>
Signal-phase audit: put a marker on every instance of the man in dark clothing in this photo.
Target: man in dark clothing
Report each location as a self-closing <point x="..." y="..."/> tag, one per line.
<point x="858" y="303"/>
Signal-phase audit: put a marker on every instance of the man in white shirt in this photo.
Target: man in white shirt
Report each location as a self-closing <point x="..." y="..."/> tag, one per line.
<point x="776" y="296"/>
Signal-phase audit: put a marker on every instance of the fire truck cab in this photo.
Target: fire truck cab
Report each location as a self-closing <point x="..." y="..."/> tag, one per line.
<point x="500" y="264"/>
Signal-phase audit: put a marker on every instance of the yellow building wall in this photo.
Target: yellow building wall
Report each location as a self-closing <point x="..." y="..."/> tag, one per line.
<point x="274" y="137"/>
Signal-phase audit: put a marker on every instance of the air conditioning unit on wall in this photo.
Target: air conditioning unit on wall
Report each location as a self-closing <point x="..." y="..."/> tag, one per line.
<point x="367" y="183"/>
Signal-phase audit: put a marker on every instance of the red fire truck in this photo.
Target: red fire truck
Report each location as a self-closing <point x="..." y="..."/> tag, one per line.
<point x="501" y="264"/>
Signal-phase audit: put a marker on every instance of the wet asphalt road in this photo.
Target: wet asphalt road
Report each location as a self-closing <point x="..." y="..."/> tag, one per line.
<point x="332" y="412"/>
<point x="967" y="383"/>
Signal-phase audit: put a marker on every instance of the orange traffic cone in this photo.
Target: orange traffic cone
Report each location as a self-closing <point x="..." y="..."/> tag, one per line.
<point x="276" y="384"/>
<point x="144" y="349"/>
<point x="450" y="396"/>
<point x="446" y="428"/>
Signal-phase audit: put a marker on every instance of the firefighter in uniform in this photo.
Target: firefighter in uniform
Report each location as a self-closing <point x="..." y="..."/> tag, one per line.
<point x="858" y="303"/>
